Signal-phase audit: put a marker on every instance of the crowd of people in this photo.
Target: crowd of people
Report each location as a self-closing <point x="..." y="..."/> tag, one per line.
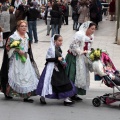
<point x="54" y="13"/>
<point x="61" y="78"/>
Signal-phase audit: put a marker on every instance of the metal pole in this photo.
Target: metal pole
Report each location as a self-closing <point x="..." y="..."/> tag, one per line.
<point x="118" y="16"/>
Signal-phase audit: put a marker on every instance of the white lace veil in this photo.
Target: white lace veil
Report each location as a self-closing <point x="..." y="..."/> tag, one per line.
<point x="85" y="26"/>
<point x="51" y="50"/>
<point x="47" y="87"/>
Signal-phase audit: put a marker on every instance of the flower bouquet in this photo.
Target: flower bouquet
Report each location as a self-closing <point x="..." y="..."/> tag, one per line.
<point x="16" y="44"/>
<point x="95" y="54"/>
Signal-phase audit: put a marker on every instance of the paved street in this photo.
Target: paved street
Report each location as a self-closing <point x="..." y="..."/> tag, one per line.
<point x="54" y="110"/>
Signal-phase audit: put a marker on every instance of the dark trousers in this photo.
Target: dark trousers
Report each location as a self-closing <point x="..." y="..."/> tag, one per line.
<point x="32" y="29"/>
<point x="59" y="30"/>
<point x="75" y="24"/>
<point x="63" y="19"/>
<point x="79" y="24"/>
<point x="66" y="20"/>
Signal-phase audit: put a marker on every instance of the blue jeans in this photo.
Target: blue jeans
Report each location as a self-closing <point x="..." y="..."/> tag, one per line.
<point x="79" y="24"/>
<point x="54" y="29"/>
<point x="75" y="24"/>
<point x="32" y="28"/>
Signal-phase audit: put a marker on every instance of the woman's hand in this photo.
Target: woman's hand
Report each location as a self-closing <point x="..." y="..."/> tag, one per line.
<point x="85" y="51"/>
<point x="60" y="58"/>
<point x="21" y="52"/>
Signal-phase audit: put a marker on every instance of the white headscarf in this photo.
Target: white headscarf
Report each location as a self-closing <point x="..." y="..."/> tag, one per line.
<point x="84" y="28"/>
<point x="80" y="38"/>
<point x="47" y="87"/>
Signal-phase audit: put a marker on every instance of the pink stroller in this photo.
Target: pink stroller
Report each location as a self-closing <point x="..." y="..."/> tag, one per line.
<point x="110" y="97"/>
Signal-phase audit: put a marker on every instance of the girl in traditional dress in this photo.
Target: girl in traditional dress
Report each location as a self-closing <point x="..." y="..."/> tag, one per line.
<point x="54" y="82"/>
<point x="19" y="78"/>
<point x="77" y="68"/>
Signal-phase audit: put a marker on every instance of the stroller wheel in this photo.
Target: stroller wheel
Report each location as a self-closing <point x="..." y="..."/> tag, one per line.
<point x="96" y="102"/>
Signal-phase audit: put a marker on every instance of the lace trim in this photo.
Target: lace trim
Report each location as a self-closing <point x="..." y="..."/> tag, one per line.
<point x="17" y="87"/>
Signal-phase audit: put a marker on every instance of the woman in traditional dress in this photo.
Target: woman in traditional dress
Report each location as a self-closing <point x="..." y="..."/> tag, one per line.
<point x="19" y="78"/>
<point x="77" y="68"/>
<point x="54" y="82"/>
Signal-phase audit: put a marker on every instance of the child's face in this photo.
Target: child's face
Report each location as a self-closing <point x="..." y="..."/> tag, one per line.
<point x="109" y="67"/>
<point x="58" y="42"/>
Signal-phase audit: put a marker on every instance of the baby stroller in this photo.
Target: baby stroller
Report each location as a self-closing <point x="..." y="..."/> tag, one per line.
<point x="110" y="97"/>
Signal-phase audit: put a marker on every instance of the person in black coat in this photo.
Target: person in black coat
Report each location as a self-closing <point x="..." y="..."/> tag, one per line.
<point x="55" y="17"/>
<point x="94" y="13"/>
<point x="32" y="15"/>
<point x="66" y="13"/>
<point x="75" y="16"/>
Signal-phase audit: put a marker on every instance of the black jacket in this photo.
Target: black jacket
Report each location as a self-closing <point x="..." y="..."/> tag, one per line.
<point x="75" y="15"/>
<point x="32" y="14"/>
<point x="55" y="17"/>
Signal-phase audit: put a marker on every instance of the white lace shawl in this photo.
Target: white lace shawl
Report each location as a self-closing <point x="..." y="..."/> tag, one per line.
<point x="80" y="38"/>
<point x="47" y="87"/>
<point x="16" y="36"/>
<point x="84" y="28"/>
<point x="78" y="41"/>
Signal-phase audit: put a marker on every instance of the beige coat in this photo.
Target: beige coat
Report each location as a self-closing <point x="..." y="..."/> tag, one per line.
<point x="83" y="14"/>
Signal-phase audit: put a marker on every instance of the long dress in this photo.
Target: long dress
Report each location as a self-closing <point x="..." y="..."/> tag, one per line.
<point x="61" y="85"/>
<point x="21" y="79"/>
<point x="77" y="69"/>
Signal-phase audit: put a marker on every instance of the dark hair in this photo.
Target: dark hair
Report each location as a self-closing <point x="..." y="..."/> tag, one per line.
<point x="92" y="24"/>
<point x="94" y="1"/>
<point x="31" y="4"/>
<point x="21" y="7"/>
<point x="4" y="8"/>
<point x="56" y="37"/>
<point x="55" y="7"/>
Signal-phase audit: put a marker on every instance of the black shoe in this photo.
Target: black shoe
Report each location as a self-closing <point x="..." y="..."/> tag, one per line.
<point x="76" y="98"/>
<point x="31" y="42"/>
<point x="8" y="97"/>
<point x="68" y="103"/>
<point x="36" y="42"/>
<point x="42" y="101"/>
<point x="28" y="100"/>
